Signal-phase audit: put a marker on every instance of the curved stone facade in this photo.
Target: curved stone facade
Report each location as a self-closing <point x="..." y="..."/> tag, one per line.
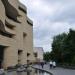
<point x="16" y="34"/>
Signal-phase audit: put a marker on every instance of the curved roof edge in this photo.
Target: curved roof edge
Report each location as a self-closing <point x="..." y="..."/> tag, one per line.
<point x="23" y="7"/>
<point x="29" y="21"/>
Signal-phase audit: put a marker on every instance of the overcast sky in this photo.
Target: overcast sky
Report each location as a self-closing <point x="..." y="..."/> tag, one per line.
<point x="50" y="17"/>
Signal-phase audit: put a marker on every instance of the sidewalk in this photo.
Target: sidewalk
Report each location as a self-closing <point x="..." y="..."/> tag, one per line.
<point x="56" y="71"/>
<point x="43" y="69"/>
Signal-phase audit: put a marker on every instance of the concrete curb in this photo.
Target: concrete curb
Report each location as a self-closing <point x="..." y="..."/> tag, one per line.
<point x="42" y="70"/>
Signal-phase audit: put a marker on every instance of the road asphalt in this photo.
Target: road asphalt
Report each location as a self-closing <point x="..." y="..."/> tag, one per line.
<point x="57" y="70"/>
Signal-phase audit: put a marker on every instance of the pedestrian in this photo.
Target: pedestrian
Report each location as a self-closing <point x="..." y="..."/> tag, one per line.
<point x="54" y="64"/>
<point x="42" y="64"/>
<point x="51" y="64"/>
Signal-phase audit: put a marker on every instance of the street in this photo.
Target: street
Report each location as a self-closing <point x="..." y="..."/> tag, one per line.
<point x="58" y="71"/>
<point x="54" y="71"/>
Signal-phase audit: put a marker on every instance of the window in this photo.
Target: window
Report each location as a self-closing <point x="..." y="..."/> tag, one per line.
<point x="28" y="54"/>
<point x="35" y="54"/>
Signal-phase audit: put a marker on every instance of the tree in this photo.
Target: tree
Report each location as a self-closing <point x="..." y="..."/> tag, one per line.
<point x="47" y="56"/>
<point x="69" y="47"/>
<point x="63" y="48"/>
<point x="57" y="46"/>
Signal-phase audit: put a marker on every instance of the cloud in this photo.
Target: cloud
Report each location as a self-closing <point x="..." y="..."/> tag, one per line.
<point x="66" y="13"/>
<point x="50" y="18"/>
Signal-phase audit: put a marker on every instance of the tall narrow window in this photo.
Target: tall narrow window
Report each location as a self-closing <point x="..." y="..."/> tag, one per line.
<point x="19" y="56"/>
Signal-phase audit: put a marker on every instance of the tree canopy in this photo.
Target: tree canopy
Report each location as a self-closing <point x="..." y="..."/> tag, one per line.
<point x="63" y="49"/>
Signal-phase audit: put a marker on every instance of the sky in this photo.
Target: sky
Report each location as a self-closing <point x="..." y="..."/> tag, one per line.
<point x="50" y="18"/>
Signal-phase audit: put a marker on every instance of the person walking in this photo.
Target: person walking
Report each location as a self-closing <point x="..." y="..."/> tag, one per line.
<point x="54" y="64"/>
<point x="42" y="64"/>
<point x="51" y="64"/>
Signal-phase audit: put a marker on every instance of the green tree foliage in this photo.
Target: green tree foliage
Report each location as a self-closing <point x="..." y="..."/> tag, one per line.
<point x="63" y="48"/>
<point x="47" y="56"/>
<point x="57" y="45"/>
<point x="69" y="47"/>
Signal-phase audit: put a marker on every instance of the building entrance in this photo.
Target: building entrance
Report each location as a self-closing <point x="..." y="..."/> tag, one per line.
<point x="1" y="55"/>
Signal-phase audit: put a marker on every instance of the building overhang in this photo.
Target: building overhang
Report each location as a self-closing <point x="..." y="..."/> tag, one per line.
<point x="29" y="21"/>
<point x="3" y="30"/>
<point x="11" y="12"/>
<point x="23" y="7"/>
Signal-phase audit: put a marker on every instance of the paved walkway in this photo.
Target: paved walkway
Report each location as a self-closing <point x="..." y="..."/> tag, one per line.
<point x="57" y="71"/>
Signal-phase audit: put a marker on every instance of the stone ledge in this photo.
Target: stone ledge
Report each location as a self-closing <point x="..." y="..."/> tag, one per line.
<point x="42" y="70"/>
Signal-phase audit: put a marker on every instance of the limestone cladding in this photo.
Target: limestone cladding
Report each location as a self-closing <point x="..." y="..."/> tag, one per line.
<point x="16" y="34"/>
